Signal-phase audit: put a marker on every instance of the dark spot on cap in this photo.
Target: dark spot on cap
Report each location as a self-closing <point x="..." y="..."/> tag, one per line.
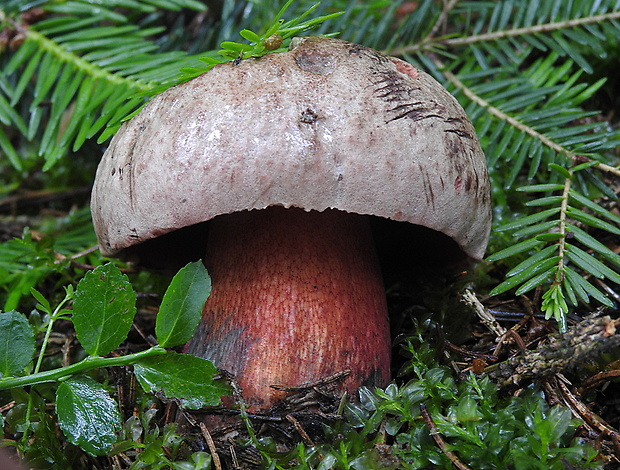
<point x="308" y="116"/>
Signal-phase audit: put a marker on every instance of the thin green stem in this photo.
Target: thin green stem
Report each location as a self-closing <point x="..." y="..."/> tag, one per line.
<point x="559" y="276"/>
<point x="48" y="332"/>
<point x="90" y="363"/>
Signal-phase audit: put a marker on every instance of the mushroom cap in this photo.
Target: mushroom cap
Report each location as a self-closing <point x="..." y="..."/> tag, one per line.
<point x="328" y="124"/>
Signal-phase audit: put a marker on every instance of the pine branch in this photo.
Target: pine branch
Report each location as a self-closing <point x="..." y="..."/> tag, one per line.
<point x="433" y="43"/>
<point x="517" y="124"/>
<point x="535" y="29"/>
<point x="79" y="63"/>
<point x="492" y="110"/>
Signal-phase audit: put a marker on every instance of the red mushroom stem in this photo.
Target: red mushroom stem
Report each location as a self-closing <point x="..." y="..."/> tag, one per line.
<point x="297" y="296"/>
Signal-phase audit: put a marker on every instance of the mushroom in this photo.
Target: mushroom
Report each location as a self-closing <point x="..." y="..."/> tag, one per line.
<point x="281" y="171"/>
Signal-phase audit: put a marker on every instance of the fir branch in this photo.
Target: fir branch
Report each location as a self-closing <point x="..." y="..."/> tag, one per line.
<point x="535" y="29"/>
<point x="431" y="43"/>
<point x="517" y="124"/>
<point x="81" y="65"/>
<point x="492" y="110"/>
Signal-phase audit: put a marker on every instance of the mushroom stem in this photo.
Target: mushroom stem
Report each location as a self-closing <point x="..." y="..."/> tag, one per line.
<point x="297" y="296"/>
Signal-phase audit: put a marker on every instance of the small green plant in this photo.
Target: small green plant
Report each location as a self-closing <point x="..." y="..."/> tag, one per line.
<point x="276" y="38"/>
<point x="102" y="314"/>
<point x="435" y="421"/>
<point x="479" y="429"/>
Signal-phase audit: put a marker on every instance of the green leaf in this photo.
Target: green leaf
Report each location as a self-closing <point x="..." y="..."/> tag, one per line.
<point x="560" y="169"/>
<point x="549" y="237"/>
<point x="594" y="207"/>
<point x="87" y="415"/>
<point x="553" y="304"/>
<point x="585" y="289"/>
<point x="544" y="201"/>
<point x="526" y="275"/>
<point x="532" y="260"/>
<point x="542" y="187"/>
<point x="536" y="281"/>
<point x="537" y="228"/>
<point x="43" y="304"/>
<point x="181" y="307"/>
<point x="591" y="265"/>
<point x="103" y="309"/>
<point x="589" y="219"/>
<point x="17" y="343"/>
<point x="529" y="219"/>
<point x="249" y="35"/>
<point x="515" y="249"/>
<point x="593" y="244"/>
<point x="188" y="378"/>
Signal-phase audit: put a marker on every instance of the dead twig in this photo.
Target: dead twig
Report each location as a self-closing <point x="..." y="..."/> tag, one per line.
<point x="300" y="430"/>
<point x="583" y="413"/>
<point x="319" y="383"/>
<point x="485" y="316"/>
<point x="584" y="341"/>
<point x="214" y="455"/>
<point x="439" y="440"/>
<point x="597" y="379"/>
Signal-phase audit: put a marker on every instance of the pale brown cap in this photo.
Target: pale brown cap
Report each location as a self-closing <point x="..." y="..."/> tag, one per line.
<point x="329" y="124"/>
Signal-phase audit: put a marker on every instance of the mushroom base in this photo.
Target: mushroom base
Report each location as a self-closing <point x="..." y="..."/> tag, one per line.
<point x="297" y="296"/>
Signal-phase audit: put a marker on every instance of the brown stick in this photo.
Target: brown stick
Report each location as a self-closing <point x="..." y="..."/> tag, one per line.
<point x="207" y="435"/>
<point x="439" y="440"/>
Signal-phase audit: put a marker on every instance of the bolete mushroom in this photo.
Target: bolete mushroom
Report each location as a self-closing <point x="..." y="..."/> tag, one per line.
<point x="273" y="167"/>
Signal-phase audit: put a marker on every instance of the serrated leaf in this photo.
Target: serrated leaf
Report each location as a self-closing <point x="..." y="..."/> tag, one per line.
<point x="183" y="376"/>
<point x="103" y="309"/>
<point x="17" y="343"/>
<point x="87" y="415"/>
<point x="181" y="308"/>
